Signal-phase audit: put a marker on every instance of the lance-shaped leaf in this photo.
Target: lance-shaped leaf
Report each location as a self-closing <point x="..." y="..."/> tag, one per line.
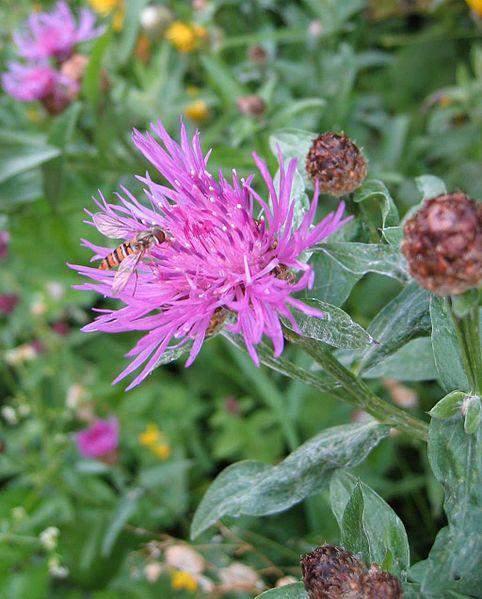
<point x="412" y="362"/>
<point x="451" y="373"/>
<point x="256" y="489"/>
<point x="405" y="317"/>
<point x="333" y="283"/>
<point x="379" y="533"/>
<point x="374" y="190"/>
<point x="361" y="258"/>
<point x="290" y="591"/>
<point x="453" y="565"/>
<point x="336" y="328"/>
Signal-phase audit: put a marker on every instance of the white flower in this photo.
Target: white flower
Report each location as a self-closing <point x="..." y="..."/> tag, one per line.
<point x="55" y="569"/>
<point x="240" y="576"/>
<point x="152" y="571"/>
<point x="9" y="414"/>
<point x="49" y="537"/>
<point x="182" y="557"/>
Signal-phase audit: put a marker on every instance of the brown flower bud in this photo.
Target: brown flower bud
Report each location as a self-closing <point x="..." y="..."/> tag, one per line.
<point x="257" y="54"/>
<point x="381" y="585"/>
<point x="443" y="244"/>
<point x="251" y="105"/>
<point x="336" y="163"/>
<point x="330" y="572"/>
<point x="74" y="67"/>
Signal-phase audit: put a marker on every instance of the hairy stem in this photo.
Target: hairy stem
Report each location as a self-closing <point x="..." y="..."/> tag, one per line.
<point x="355" y="391"/>
<point x="467" y="328"/>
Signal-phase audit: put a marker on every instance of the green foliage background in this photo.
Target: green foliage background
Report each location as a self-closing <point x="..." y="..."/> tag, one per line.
<point x="404" y="79"/>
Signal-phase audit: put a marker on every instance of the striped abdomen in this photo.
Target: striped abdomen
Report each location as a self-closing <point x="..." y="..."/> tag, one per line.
<point x="116" y="257"/>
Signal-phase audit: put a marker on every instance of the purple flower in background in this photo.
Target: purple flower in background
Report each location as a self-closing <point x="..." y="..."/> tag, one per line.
<point x="56" y="33"/>
<point x="227" y="251"/>
<point x="8" y="302"/>
<point x="100" y="440"/>
<point x="4" y="241"/>
<point x="29" y="82"/>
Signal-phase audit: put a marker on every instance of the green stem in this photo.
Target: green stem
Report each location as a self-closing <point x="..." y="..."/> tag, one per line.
<point x="467" y="328"/>
<point x="357" y="392"/>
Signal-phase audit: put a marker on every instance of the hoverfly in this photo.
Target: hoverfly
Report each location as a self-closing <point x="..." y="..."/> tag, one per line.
<point x="129" y="253"/>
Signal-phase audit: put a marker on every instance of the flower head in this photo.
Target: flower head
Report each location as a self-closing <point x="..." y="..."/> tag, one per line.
<point x="226" y="252"/>
<point x="107" y="7"/>
<point x="55" y="34"/>
<point x="28" y="83"/>
<point x="185" y="36"/>
<point x="336" y="163"/>
<point x="197" y="111"/>
<point x="181" y="580"/>
<point x="100" y="440"/>
<point x="443" y="244"/>
<point x="476" y="6"/>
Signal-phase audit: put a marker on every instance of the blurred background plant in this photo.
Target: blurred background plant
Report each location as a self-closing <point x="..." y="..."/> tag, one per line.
<point x="404" y="79"/>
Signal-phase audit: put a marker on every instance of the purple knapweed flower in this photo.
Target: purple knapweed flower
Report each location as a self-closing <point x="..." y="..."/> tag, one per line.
<point x="100" y="440"/>
<point x="55" y="34"/>
<point x="227" y="252"/>
<point x="31" y="82"/>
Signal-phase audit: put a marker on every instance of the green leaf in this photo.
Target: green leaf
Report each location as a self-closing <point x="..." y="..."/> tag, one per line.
<point x="60" y="136"/>
<point x="293" y="143"/>
<point x="430" y="186"/>
<point x="293" y="109"/>
<point x="405" y="317"/>
<point x="333" y="283"/>
<point x="298" y="197"/>
<point x="451" y="373"/>
<point x="449" y="405"/>
<point x="361" y="258"/>
<point x="125" y="509"/>
<point x="130" y="29"/>
<point x="471" y="409"/>
<point x="289" y="591"/>
<point x="91" y="85"/>
<point x="222" y="80"/>
<point x="256" y="489"/>
<point x="379" y="527"/>
<point x="353" y="535"/>
<point x="18" y="155"/>
<point x="412" y="362"/>
<point x="336" y="328"/>
<point x="453" y="565"/>
<point x="374" y="190"/>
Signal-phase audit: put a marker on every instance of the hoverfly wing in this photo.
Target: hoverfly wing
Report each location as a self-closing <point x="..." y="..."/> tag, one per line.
<point x="126" y="269"/>
<point x="110" y="226"/>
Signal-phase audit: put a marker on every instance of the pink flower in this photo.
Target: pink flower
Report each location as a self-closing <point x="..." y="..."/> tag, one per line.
<point x="29" y="82"/>
<point x="56" y="33"/>
<point x="8" y="302"/>
<point x="101" y="439"/>
<point x="227" y="251"/>
<point x="4" y="241"/>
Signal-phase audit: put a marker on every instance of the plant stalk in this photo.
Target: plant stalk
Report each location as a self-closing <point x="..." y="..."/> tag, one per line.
<point x="467" y="328"/>
<point x="355" y="391"/>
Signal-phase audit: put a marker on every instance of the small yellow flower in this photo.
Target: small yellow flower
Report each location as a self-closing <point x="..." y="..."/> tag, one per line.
<point x="476" y="6"/>
<point x="197" y="111"/>
<point x="106" y="7"/>
<point x="150" y="436"/>
<point x="181" y="580"/>
<point x="161" y="450"/>
<point x="184" y="36"/>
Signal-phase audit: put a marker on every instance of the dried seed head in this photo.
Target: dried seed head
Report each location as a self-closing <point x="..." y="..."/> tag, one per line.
<point x="381" y="585"/>
<point x="257" y="54"/>
<point x="336" y="163"/>
<point x="251" y="105"/>
<point x="443" y="244"/>
<point x="74" y="67"/>
<point x="330" y="572"/>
